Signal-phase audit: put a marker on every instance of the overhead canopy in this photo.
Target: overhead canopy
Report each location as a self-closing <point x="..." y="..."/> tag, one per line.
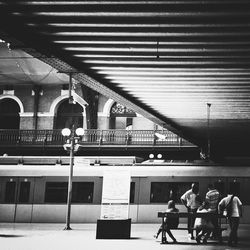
<point x="165" y="59"/>
<point x="18" y="67"/>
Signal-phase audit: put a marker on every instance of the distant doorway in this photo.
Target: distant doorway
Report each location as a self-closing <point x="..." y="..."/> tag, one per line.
<point x="9" y="114"/>
<point x="68" y="115"/>
<point x="121" y="117"/>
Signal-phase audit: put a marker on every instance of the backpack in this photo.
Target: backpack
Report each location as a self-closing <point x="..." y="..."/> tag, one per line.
<point x="229" y="207"/>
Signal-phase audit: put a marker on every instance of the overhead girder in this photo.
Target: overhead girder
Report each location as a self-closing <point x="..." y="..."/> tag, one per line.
<point x="164" y="59"/>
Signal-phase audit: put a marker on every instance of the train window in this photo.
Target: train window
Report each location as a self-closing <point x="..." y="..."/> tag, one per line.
<point x="82" y="192"/>
<point x="234" y="188"/>
<point x="24" y="191"/>
<point x="244" y="187"/>
<point x="10" y="191"/>
<point x="132" y="192"/>
<point x="56" y="192"/>
<point x="220" y="186"/>
<point x="179" y="188"/>
<point x="163" y="191"/>
<point x="159" y="192"/>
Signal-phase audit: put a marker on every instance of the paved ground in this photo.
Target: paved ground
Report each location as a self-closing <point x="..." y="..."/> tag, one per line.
<point x="53" y="237"/>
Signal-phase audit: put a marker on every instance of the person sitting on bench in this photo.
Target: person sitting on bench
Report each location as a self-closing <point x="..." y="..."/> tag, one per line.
<point x="203" y="226"/>
<point x="170" y="222"/>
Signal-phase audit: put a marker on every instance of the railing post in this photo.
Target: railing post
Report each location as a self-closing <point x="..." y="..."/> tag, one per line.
<point x="45" y="139"/>
<point x="33" y="135"/>
<point x="19" y="137"/>
<point x="101" y="138"/>
<point x="180" y="141"/>
<point x="154" y="140"/>
<point x="127" y="137"/>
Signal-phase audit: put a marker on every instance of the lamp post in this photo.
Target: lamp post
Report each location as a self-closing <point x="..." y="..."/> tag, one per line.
<point x="208" y="130"/>
<point x="71" y="145"/>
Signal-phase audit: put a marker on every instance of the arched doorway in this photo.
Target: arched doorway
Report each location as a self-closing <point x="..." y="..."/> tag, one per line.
<point x="68" y="114"/>
<point x="121" y="117"/>
<point x="9" y="114"/>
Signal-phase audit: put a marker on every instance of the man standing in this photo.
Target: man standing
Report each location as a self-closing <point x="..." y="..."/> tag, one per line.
<point x="190" y="202"/>
<point x="235" y="205"/>
<point x="212" y="198"/>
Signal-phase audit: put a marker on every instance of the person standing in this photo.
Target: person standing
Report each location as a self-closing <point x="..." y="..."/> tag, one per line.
<point x="233" y="205"/>
<point x="190" y="202"/>
<point x="212" y="199"/>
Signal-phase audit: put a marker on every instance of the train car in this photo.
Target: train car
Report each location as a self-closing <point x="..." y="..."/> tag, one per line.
<point x="35" y="189"/>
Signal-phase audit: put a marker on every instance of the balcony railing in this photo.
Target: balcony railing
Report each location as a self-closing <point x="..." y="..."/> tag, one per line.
<point x="10" y="137"/>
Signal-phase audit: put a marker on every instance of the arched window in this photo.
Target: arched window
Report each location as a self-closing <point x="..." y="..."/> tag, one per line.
<point x="68" y="114"/>
<point x="9" y="114"/>
<point x="121" y="117"/>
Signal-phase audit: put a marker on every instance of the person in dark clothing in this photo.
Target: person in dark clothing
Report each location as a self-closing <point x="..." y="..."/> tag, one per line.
<point x="169" y="223"/>
<point x="173" y="195"/>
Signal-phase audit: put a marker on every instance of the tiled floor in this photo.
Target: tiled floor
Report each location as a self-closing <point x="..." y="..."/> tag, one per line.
<point x="52" y="236"/>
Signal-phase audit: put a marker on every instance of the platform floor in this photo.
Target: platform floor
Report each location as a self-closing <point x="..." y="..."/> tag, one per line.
<point x="82" y="236"/>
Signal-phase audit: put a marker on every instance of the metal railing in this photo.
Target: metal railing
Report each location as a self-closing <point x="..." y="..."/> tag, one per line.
<point x="93" y="137"/>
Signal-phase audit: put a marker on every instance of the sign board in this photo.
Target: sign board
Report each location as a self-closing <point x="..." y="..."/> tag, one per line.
<point x="115" y="194"/>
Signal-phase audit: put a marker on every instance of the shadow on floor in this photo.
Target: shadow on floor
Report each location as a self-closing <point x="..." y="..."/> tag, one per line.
<point x="10" y="235"/>
<point x="193" y="243"/>
<point x="131" y="238"/>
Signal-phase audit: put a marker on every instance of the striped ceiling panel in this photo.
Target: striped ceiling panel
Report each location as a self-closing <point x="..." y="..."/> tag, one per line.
<point x="168" y="59"/>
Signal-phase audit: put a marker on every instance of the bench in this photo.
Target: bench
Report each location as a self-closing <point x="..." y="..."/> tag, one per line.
<point x="194" y="215"/>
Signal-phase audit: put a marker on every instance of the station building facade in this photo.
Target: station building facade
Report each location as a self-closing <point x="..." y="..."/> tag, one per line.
<point x="47" y="107"/>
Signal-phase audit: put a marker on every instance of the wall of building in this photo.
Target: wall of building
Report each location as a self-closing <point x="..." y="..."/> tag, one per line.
<point x="50" y="97"/>
<point x="103" y="122"/>
<point x="141" y="123"/>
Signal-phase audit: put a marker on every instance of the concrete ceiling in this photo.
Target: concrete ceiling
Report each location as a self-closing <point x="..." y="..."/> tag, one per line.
<point x="165" y="59"/>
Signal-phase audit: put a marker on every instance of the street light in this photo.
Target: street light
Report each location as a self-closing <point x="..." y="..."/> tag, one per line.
<point x="72" y="145"/>
<point x="208" y="131"/>
<point x="158" y="160"/>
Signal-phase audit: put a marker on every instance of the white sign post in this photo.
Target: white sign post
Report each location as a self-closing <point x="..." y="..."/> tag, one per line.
<point x="115" y="195"/>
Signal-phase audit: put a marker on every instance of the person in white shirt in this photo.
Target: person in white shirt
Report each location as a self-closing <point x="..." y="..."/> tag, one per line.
<point x="234" y="216"/>
<point x="190" y="202"/>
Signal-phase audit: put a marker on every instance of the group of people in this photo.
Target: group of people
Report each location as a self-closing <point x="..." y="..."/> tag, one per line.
<point x="205" y="227"/>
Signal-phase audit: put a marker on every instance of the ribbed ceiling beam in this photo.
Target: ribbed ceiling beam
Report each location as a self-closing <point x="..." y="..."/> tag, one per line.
<point x="140" y="25"/>
<point x="147" y="41"/>
<point x="126" y="61"/>
<point x="172" y="57"/>
<point x="175" y="2"/>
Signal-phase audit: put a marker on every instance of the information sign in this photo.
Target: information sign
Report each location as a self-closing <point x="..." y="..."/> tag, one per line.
<point x="115" y="195"/>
